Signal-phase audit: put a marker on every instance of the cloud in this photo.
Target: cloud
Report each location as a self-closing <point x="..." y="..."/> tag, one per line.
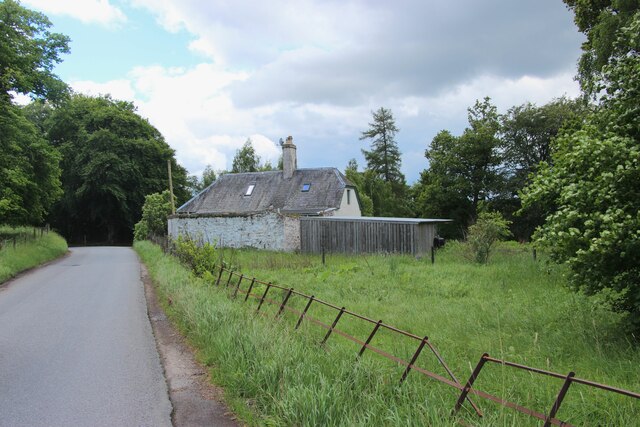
<point x="349" y="52"/>
<point x="194" y="110"/>
<point x="316" y="70"/>
<point x="87" y="11"/>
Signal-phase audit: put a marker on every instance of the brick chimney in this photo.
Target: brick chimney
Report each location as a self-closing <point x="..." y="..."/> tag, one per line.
<point x="289" y="161"/>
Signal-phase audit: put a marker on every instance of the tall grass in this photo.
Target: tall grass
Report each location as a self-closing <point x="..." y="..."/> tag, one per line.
<point x="29" y="250"/>
<point x="514" y="308"/>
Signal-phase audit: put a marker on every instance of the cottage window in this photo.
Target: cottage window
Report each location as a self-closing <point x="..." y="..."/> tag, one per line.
<point x="250" y="189"/>
<point x="348" y="196"/>
<point x="306" y="187"/>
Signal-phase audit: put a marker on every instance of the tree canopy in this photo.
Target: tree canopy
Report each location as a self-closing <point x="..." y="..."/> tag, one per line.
<point x="382" y="181"/>
<point x="111" y="159"/>
<point x="28" y="53"/>
<point x="601" y="21"/>
<point x="526" y="137"/>
<point x="595" y="183"/>
<point x="384" y="157"/>
<point x="29" y="169"/>
<point x="246" y="159"/>
<point x="463" y="170"/>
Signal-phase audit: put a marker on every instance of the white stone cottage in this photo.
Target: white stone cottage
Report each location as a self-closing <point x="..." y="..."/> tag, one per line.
<point x="263" y="209"/>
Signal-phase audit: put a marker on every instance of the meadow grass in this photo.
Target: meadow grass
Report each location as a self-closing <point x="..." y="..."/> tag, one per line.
<point x="29" y="251"/>
<point x="513" y="308"/>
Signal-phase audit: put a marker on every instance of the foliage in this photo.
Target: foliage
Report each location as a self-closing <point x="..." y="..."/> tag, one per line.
<point x="601" y="21"/>
<point x="514" y="308"/>
<point x="156" y="209"/>
<point x="384" y="158"/>
<point x="526" y="135"/>
<point x="246" y="159"/>
<point x="196" y="184"/>
<point x="112" y="158"/>
<point x="29" y="167"/>
<point x="199" y="257"/>
<point x="382" y="181"/>
<point x="595" y="183"/>
<point x="29" y="252"/>
<point x="29" y="170"/>
<point x="482" y="236"/>
<point x="28" y="53"/>
<point x="463" y="170"/>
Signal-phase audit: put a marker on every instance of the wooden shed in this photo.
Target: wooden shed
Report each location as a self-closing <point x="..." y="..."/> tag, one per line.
<point x="368" y="235"/>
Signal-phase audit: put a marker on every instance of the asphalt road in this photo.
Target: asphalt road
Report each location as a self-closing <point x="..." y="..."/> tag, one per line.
<point x="76" y="346"/>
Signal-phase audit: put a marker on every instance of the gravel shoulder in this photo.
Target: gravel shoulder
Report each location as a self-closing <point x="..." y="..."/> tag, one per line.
<point x="196" y="402"/>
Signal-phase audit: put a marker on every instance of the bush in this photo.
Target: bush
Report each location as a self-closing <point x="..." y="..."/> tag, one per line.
<point x="200" y="258"/>
<point x="488" y="229"/>
<point x="156" y="209"/>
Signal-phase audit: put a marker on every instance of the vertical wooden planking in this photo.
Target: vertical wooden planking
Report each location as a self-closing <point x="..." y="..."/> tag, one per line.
<point x="365" y="236"/>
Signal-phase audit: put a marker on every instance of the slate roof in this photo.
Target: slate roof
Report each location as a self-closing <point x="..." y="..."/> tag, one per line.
<point x="226" y="195"/>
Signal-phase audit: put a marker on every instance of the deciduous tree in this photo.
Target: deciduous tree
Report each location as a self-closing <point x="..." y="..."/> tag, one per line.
<point x="246" y="159"/>
<point x="526" y="139"/>
<point x="601" y="21"/>
<point x="28" y="53"/>
<point x="463" y="170"/>
<point x="29" y="170"/>
<point x="595" y="184"/>
<point x="112" y="158"/>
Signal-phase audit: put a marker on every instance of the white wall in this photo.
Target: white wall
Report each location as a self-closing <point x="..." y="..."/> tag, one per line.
<point x="262" y="231"/>
<point x="349" y="209"/>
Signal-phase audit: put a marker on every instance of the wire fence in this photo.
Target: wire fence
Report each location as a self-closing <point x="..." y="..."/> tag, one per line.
<point x="13" y="239"/>
<point x="237" y="284"/>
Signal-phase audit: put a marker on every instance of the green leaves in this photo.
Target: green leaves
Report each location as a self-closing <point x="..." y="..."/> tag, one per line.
<point x="595" y="183"/>
<point x="28" y="53"/>
<point x="156" y="209"/>
<point x="383" y="183"/>
<point x="487" y="230"/>
<point x="29" y="171"/>
<point x="112" y="158"/>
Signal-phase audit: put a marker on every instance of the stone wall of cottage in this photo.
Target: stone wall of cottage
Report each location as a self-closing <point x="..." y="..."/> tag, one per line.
<point x="291" y="233"/>
<point x="263" y="231"/>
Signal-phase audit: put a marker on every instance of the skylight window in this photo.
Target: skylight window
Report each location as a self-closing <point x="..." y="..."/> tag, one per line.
<point x="250" y="189"/>
<point x="306" y="187"/>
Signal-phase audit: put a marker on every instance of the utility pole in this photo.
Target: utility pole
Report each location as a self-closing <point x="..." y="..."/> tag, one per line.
<point x="173" y="205"/>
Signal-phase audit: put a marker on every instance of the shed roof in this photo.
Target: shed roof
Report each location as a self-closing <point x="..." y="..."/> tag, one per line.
<point x="271" y="191"/>
<point x="381" y="219"/>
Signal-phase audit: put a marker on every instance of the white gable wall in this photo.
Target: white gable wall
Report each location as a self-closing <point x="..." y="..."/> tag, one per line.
<point x="349" y="205"/>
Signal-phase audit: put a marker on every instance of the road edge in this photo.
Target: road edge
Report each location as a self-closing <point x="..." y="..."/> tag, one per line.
<point x="196" y="402"/>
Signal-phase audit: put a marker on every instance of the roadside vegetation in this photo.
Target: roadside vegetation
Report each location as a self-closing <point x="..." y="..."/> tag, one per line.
<point x="31" y="248"/>
<point x="513" y="308"/>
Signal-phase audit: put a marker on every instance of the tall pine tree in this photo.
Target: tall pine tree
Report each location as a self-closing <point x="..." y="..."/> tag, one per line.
<point x="384" y="183"/>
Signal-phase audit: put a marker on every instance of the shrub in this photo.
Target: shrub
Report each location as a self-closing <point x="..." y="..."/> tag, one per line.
<point x="156" y="209"/>
<point x="199" y="257"/>
<point x="488" y="229"/>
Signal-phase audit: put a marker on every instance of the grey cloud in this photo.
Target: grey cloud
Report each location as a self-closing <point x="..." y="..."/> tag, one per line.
<point x="420" y="49"/>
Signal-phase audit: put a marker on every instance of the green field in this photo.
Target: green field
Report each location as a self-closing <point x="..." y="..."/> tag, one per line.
<point x="514" y="308"/>
<point x="31" y="248"/>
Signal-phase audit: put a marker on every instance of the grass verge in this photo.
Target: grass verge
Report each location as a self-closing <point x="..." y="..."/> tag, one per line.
<point x="514" y="308"/>
<point x="29" y="252"/>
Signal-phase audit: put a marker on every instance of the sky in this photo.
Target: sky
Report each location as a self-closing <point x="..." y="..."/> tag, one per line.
<point x="210" y="74"/>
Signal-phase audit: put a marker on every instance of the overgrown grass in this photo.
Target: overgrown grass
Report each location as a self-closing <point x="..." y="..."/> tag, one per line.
<point x="29" y="250"/>
<point x="514" y="308"/>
